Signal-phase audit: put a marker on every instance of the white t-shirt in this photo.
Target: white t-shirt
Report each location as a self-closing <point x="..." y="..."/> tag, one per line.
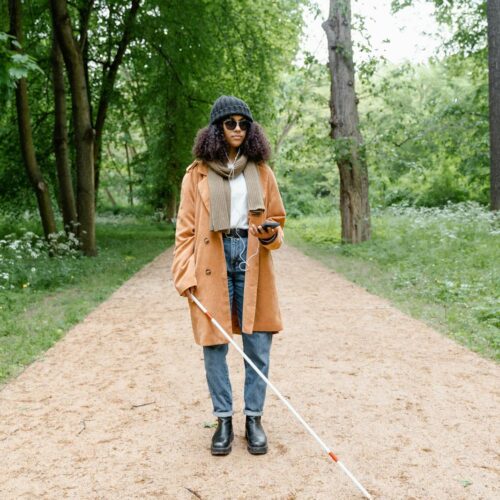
<point x="239" y="201"/>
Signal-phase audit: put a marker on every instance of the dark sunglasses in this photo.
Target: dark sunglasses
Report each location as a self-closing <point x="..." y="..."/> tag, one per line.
<point x="231" y="124"/>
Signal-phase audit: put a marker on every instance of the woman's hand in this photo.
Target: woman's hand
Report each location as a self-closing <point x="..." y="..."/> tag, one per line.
<point x="260" y="232"/>
<point x="189" y="291"/>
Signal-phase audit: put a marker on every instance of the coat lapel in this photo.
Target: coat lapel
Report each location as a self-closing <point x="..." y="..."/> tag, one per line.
<point x="204" y="191"/>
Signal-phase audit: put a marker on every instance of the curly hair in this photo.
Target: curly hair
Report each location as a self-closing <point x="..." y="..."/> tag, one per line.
<point x="210" y="143"/>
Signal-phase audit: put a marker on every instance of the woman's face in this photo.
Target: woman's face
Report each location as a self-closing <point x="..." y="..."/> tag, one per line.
<point x="234" y="137"/>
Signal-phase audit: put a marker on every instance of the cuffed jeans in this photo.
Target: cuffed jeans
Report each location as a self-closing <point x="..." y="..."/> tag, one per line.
<point x="257" y="346"/>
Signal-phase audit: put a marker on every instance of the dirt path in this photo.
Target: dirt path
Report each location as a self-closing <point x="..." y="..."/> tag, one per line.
<point x="117" y="408"/>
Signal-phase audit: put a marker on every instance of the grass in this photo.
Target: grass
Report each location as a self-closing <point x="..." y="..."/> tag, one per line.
<point x="47" y="296"/>
<point x="441" y="266"/>
<point x="438" y="265"/>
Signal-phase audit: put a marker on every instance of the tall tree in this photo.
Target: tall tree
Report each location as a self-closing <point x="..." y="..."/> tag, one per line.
<point x="25" y="133"/>
<point x="83" y="131"/>
<point x="189" y="53"/>
<point x="178" y="58"/>
<point x="354" y="204"/>
<point x="110" y="71"/>
<point x="66" y="194"/>
<point x="493" y="13"/>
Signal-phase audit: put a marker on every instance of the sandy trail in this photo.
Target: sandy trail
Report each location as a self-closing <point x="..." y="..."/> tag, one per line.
<point x="410" y="412"/>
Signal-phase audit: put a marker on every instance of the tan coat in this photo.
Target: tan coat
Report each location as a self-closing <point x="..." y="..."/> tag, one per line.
<point x="199" y="260"/>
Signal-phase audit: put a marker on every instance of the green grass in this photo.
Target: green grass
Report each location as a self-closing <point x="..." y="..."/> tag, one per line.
<point x="50" y="295"/>
<point x="438" y="265"/>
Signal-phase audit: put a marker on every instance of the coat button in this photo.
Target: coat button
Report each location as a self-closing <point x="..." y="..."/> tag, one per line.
<point x="207" y="271"/>
<point x="206" y="240"/>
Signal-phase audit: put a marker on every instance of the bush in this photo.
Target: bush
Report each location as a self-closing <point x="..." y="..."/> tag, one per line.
<point x="32" y="261"/>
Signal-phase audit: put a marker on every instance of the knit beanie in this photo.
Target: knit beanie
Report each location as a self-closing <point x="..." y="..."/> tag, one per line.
<point x="227" y="105"/>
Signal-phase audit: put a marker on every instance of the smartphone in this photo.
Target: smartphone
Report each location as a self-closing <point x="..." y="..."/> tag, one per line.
<point x="270" y="224"/>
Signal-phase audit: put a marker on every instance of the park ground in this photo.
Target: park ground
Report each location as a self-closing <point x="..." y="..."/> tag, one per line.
<point x="119" y="407"/>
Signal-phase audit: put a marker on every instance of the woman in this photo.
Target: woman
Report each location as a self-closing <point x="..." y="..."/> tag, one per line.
<point x="223" y="256"/>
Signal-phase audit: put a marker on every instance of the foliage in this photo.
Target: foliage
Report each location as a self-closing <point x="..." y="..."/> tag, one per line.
<point x="425" y="127"/>
<point x="426" y="133"/>
<point x="182" y="56"/>
<point x="304" y="155"/>
<point x="13" y="65"/>
<point x="192" y="53"/>
<point x="24" y="261"/>
<point x="16" y="192"/>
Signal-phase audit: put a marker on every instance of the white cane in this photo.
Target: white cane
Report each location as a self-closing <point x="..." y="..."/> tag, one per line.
<point x="278" y="393"/>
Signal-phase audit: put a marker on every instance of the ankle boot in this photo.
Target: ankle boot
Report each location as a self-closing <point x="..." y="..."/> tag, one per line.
<point x="223" y="437"/>
<point x="256" y="437"/>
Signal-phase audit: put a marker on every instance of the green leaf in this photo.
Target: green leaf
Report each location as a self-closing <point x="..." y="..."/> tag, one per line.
<point x="17" y="72"/>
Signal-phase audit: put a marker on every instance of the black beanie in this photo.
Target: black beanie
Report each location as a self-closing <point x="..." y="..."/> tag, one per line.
<point x="227" y="105"/>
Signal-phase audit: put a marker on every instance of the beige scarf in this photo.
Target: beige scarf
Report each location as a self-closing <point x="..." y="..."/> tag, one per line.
<point x="220" y="190"/>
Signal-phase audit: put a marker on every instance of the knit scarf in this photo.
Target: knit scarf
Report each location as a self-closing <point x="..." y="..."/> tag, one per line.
<point x="220" y="190"/>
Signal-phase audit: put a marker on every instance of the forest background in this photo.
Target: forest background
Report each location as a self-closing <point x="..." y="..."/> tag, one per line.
<point x="153" y="70"/>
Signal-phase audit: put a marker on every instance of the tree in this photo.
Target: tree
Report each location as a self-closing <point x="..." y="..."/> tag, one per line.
<point x="476" y="31"/>
<point x="60" y="138"/>
<point x="25" y="134"/>
<point x="351" y="162"/>
<point x="83" y="131"/>
<point x="493" y="10"/>
<point x="147" y="69"/>
<point x="185" y="55"/>
<point x="110" y="71"/>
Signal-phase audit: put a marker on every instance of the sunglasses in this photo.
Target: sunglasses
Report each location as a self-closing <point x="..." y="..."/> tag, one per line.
<point x="231" y="124"/>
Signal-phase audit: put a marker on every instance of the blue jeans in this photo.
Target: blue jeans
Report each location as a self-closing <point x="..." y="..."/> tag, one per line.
<point x="256" y="346"/>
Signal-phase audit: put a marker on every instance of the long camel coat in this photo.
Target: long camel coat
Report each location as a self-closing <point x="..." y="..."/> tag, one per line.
<point x="199" y="260"/>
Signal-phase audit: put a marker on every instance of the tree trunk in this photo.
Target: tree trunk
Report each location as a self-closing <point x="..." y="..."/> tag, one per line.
<point x="129" y="177"/>
<point x="493" y="14"/>
<point x="84" y="13"/>
<point x="133" y="88"/>
<point x="66" y="194"/>
<point x="25" y="133"/>
<point x="84" y="134"/>
<point x="171" y="207"/>
<point x="354" y="205"/>
<point x="110" y="196"/>
<point x="291" y="120"/>
<point x="108" y="84"/>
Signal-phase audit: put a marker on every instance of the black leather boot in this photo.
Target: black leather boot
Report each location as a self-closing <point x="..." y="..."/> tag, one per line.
<point x="256" y="437"/>
<point x="223" y="437"/>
